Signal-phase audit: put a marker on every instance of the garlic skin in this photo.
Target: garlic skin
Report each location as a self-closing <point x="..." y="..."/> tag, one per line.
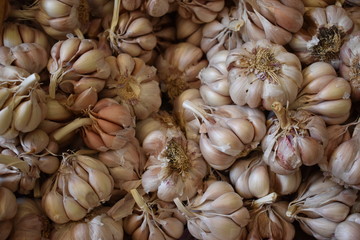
<point x="132" y="34"/>
<point x="96" y="225"/>
<point x="30" y="56"/>
<point x="293" y="139"/>
<point x="76" y="65"/>
<point x="214" y="88"/>
<point x="58" y="17"/>
<point x="348" y="229"/>
<point x="30" y="220"/>
<point x="319" y="3"/>
<point x="15" y="34"/>
<point x="252" y="178"/>
<point x="217" y="213"/>
<point x="322" y="35"/>
<point x="224" y="32"/>
<point x="175" y="167"/>
<point x="350" y="64"/>
<point x="227" y="132"/>
<point x="342" y="164"/>
<point x="321" y="205"/>
<point x="262" y="72"/>
<point x="179" y="67"/>
<point x="273" y="20"/>
<point x="81" y="184"/>
<point x="131" y="82"/>
<point x="200" y="12"/>
<point x="324" y="94"/>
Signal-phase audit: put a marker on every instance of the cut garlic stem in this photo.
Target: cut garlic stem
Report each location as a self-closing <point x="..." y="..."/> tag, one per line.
<point x="281" y="114"/>
<point x="183" y="209"/>
<point x="270" y="198"/>
<point x="59" y="134"/>
<point x="27" y="83"/>
<point x="291" y="212"/>
<point x="140" y="201"/>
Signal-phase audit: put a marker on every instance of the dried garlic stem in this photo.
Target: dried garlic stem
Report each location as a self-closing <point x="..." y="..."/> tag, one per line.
<point x="14" y="161"/>
<point x="79" y="33"/>
<point x="183" y="209"/>
<point x="140" y="201"/>
<point x="270" y="198"/>
<point x="114" y="22"/>
<point x="292" y="210"/>
<point x="27" y="83"/>
<point x="281" y="114"/>
<point x="197" y="111"/>
<point x="59" y="134"/>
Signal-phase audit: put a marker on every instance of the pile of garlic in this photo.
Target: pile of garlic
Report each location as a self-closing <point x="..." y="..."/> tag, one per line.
<point x="179" y="119"/>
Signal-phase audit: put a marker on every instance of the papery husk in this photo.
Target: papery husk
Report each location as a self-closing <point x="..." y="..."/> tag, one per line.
<point x="216" y="213"/>
<point x="131" y="81"/>
<point x="178" y="68"/>
<point x="322" y="35"/>
<point x="59" y="18"/>
<point x="350" y="62"/>
<point x="324" y="94"/>
<point x="96" y="225"/>
<point x="320" y="205"/>
<point x="81" y="184"/>
<point x="262" y="72"/>
<point x="227" y="132"/>
<point x="200" y="12"/>
<point x="175" y="167"/>
<point x="273" y="20"/>
<point x="293" y="139"/>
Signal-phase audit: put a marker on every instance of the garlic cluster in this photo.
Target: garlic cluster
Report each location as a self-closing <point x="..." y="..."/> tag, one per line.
<point x="252" y="178"/>
<point x="175" y="167"/>
<point x="262" y="72"/>
<point x="227" y="132"/>
<point x="178" y="68"/>
<point x="322" y="35"/>
<point x="214" y="87"/>
<point x="274" y="20"/>
<point x="217" y="213"/>
<point x="324" y="94"/>
<point x="131" y="82"/>
<point x="200" y="11"/>
<point x="81" y="184"/>
<point x="321" y="205"/>
<point x="293" y="139"/>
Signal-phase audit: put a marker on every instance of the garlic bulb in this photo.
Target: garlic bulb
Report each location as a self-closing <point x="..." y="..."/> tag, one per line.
<point x="348" y="229"/>
<point x="102" y="8"/>
<point x="58" y="18"/>
<point x="131" y="33"/>
<point x="158" y="8"/>
<point x="126" y="165"/>
<point x="224" y="32"/>
<point x="188" y="31"/>
<point x="131" y="82"/>
<point x="15" y="34"/>
<point x="175" y="167"/>
<point x="178" y="68"/>
<point x="262" y="72"/>
<point x="343" y="163"/>
<point x="96" y="225"/>
<point x="217" y="213"/>
<point x="200" y="11"/>
<point x="152" y="218"/>
<point x="81" y="184"/>
<point x="30" y="56"/>
<point x="268" y="219"/>
<point x="8" y="209"/>
<point x="252" y="178"/>
<point x="273" y="20"/>
<point x="322" y="35"/>
<point x="324" y="94"/>
<point x="320" y="205"/>
<point x="76" y="65"/>
<point x="228" y="132"/>
<point x="22" y="102"/>
<point x="293" y="139"/>
<point x="186" y="119"/>
<point x="350" y="64"/>
<point x="214" y="88"/>
<point x="30" y="221"/>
